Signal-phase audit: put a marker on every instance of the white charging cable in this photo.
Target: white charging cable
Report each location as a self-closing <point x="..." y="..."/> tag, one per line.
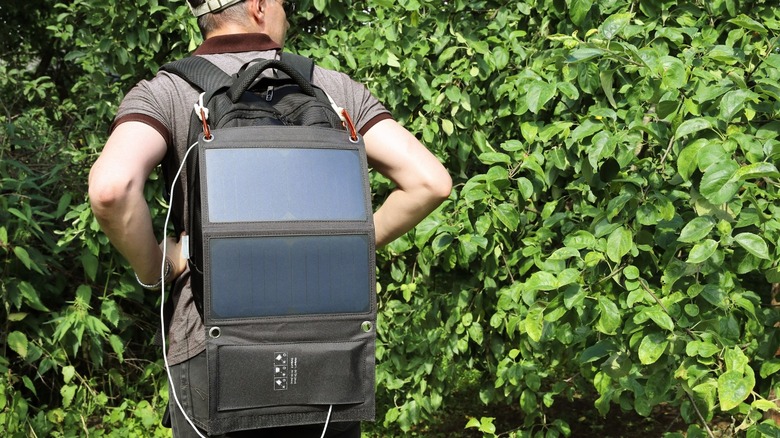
<point x="327" y="420"/>
<point x="171" y="388"/>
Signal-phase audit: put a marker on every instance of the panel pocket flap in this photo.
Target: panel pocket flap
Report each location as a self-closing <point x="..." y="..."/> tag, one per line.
<point x="265" y="375"/>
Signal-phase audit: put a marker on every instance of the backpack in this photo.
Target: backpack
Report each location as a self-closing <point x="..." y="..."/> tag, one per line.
<point x="281" y="247"/>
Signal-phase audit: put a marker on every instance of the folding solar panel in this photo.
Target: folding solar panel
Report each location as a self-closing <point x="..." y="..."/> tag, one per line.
<point x="289" y="276"/>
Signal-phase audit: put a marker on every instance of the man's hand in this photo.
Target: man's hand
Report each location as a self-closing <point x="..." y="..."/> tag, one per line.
<point x="173" y="250"/>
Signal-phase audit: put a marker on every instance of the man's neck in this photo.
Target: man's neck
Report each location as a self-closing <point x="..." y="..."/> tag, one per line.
<point x="237" y="42"/>
<point x="230" y="29"/>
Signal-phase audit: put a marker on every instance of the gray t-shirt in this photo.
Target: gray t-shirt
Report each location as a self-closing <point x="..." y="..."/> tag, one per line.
<point x="166" y="103"/>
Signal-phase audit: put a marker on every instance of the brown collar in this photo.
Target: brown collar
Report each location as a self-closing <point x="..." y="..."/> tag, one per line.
<point x="234" y="43"/>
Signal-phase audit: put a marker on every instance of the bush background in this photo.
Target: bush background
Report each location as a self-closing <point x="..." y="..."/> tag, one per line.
<point x="612" y="235"/>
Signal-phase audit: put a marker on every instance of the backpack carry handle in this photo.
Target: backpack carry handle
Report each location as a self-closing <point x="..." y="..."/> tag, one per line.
<point x="248" y="77"/>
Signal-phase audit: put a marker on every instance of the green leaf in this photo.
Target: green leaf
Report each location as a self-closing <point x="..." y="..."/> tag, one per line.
<point x="619" y="244"/>
<point x="688" y="160"/>
<point x="609" y="319"/>
<point x="422" y="83"/>
<point x="690" y="126"/>
<point x="580" y="239"/>
<point x="652" y="348"/>
<point x="660" y="317"/>
<point x="542" y="280"/>
<point x="494" y="157"/>
<point x="753" y="244"/>
<point x="578" y="10"/>
<point x="597" y="351"/>
<point x="31" y="296"/>
<point x="764" y="406"/>
<point x="84" y="294"/>
<point x="723" y="54"/>
<point x="733" y="388"/>
<point x="769" y="367"/>
<point x="392" y="61"/>
<point x="67" y="373"/>
<point x="706" y="393"/>
<point x="529" y="131"/>
<point x="63" y="205"/>
<point x="17" y="341"/>
<point x="733" y="102"/>
<point x="90" y="264"/>
<point x="68" y="392"/>
<point x="701" y="348"/>
<point x="110" y="311"/>
<point x="534" y="323"/>
<point x="606" y="79"/>
<point x="735" y="360"/>
<point x="17" y="316"/>
<point x="29" y="385"/>
<point x="23" y="256"/>
<point x="756" y="171"/>
<point x="447" y="127"/>
<point x="564" y="253"/>
<point x="448" y="53"/>
<point x="697" y="229"/>
<point x="718" y="184"/>
<point x="539" y="93"/>
<point x="674" y="75"/>
<point x="476" y="333"/>
<point x="614" y="24"/>
<point x="702" y="251"/>
<point x="631" y="272"/>
<point x="508" y="215"/>
<point x="500" y="57"/>
<point x="573" y="295"/>
<point x="584" y="54"/>
<point x="441" y="242"/>
<point x="748" y="23"/>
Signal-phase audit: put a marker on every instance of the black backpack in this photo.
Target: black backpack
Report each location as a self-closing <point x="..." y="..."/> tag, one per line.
<point x="282" y="249"/>
<point x="234" y="101"/>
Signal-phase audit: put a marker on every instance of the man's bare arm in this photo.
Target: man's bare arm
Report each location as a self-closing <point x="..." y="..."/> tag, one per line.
<point x="116" y="192"/>
<point x="422" y="183"/>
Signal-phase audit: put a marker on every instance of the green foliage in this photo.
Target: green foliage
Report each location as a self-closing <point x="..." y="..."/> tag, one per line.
<point x="76" y="358"/>
<point x="613" y="227"/>
<point x="612" y="234"/>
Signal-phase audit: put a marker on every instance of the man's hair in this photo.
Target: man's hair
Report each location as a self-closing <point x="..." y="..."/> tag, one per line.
<point x="212" y="21"/>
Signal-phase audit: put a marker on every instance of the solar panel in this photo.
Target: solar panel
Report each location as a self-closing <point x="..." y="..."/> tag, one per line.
<point x="289" y="275"/>
<point x="284" y="184"/>
<point x="286" y="232"/>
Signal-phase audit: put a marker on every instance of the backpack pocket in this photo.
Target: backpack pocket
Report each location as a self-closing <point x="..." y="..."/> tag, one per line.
<point x="293" y="374"/>
<point x="257" y="382"/>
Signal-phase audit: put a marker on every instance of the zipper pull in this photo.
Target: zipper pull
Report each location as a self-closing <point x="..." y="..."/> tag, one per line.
<point x="269" y="95"/>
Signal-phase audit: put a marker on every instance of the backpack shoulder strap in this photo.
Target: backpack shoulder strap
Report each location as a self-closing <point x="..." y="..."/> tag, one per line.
<point x="203" y="74"/>
<point x="302" y="64"/>
<point x="199" y="72"/>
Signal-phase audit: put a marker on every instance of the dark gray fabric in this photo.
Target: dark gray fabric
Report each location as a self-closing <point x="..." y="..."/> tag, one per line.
<point x="194" y="398"/>
<point x="304" y="348"/>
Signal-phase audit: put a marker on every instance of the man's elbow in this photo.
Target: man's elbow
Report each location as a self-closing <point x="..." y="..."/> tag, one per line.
<point x="443" y="187"/>
<point x="106" y="193"/>
<point x="439" y="186"/>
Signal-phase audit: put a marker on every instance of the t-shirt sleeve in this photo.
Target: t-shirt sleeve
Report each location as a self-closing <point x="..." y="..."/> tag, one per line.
<point x="365" y="109"/>
<point x="150" y="102"/>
